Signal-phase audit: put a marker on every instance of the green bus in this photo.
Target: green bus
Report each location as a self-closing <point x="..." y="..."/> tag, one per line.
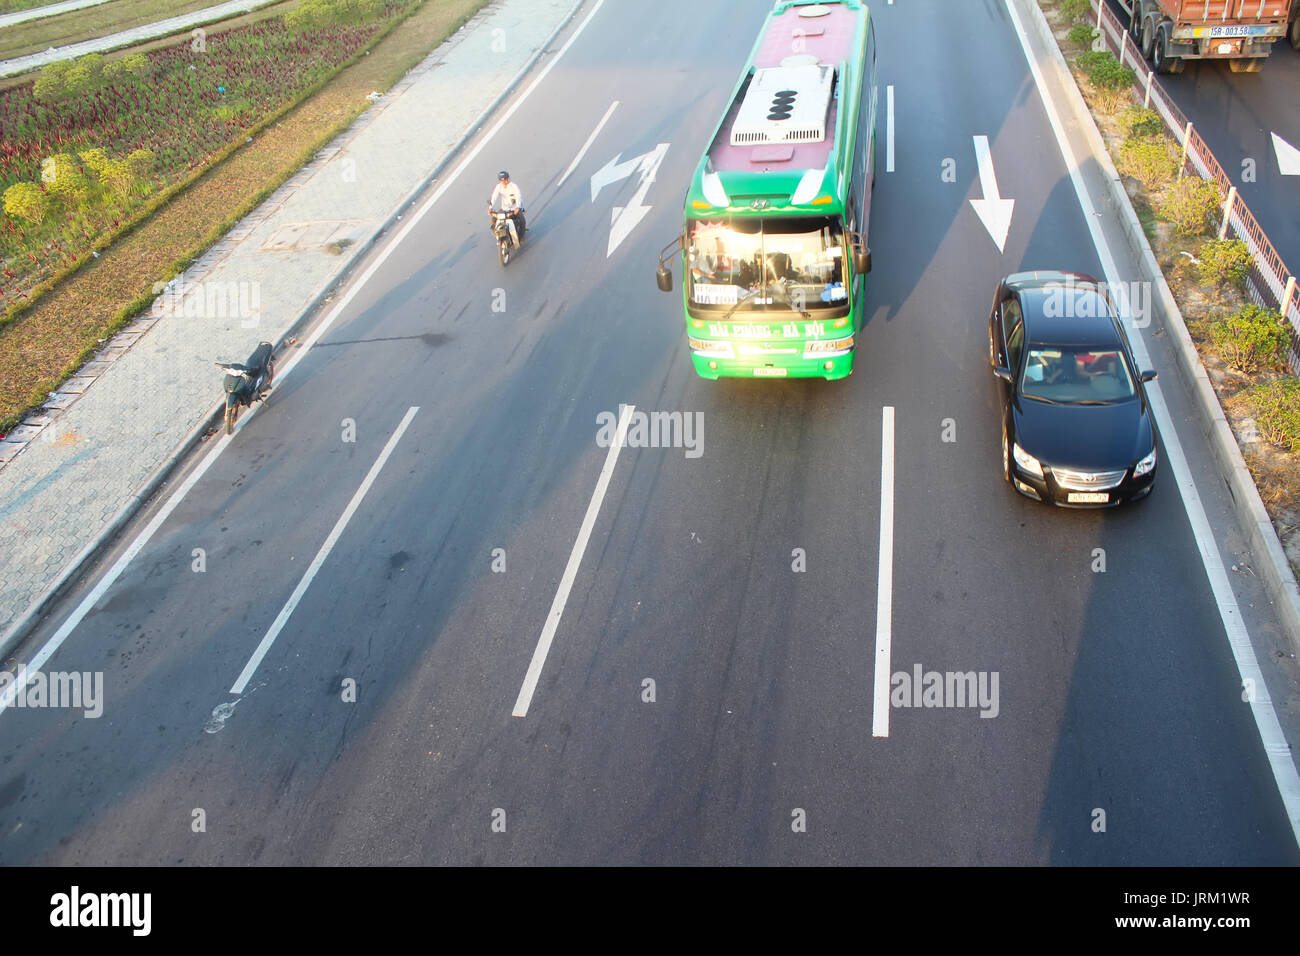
<point x="773" y="249"/>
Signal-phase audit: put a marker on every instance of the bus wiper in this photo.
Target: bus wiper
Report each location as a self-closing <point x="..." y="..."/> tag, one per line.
<point x="739" y="302"/>
<point x="790" y="301"/>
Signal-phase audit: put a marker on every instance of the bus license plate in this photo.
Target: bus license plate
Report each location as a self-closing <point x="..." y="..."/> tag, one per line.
<point x="1087" y="497"/>
<point x="770" y="371"/>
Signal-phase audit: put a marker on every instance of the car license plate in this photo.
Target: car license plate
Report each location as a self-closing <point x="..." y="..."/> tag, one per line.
<point x="770" y="371"/>
<point x="1087" y="497"/>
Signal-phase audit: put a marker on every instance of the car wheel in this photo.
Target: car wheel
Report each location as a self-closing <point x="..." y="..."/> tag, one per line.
<point x="1006" y="454"/>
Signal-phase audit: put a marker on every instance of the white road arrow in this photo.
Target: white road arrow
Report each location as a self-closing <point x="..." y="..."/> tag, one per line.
<point x="993" y="210"/>
<point x="626" y="218"/>
<point x="1288" y="157"/>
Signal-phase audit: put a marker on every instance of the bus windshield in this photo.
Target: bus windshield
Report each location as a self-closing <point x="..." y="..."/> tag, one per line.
<point x="781" y="263"/>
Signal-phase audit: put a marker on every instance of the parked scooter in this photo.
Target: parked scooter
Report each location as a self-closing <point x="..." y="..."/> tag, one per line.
<point x="247" y="382"/>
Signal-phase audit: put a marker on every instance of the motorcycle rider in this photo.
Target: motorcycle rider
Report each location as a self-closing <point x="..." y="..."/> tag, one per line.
<point x="511" y="201"/>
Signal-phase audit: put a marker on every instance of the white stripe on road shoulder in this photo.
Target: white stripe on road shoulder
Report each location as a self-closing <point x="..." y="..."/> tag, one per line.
<point x="525" y="697"/>
<point x="885" y="581"/>
<point x="587" y="145"/>
<point x="283" y="617"/>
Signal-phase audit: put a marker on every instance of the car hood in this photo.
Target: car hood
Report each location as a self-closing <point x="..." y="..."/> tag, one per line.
<point x="1084" y="437"/>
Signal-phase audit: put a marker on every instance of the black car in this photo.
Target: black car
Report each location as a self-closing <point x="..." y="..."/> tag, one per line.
<point x="1077" y="430"/>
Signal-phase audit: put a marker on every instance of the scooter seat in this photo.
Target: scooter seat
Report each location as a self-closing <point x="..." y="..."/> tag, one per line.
<point x="260" y="356"/>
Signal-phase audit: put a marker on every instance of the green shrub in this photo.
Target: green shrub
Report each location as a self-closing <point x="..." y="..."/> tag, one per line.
<point x="1251" y="338"/>
<point x="117" y="175"/>
<point x="1139" y="121"/>
<point x="1225" y="262"/>
<point x="50" y="86"/>
<point x="27" y="201"/>
<point x="1151" y="160"/>
<point x="1277" y="412"/>
<point x="1083" y="35"/>
<point x="1191" y="205"/>
<point x="62" y="177"/>
<point x="95" y="159"/>
<point x="1076" y="11"/>
<point x="141" y="161"/>
<point x="1104" y="71"/>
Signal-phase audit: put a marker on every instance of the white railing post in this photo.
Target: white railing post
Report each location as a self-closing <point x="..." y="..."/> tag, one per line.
<point x="1146" y="102"/>
<point x="1100" y="4"/>
<point x="1123" y="46"/>
<point x="1227" y="212"/>
<point x="1286" y="296"/>
<point x="1187" y="142"/>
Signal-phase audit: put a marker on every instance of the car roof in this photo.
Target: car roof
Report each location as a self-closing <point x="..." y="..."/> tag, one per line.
<point x="1073" y="313"/>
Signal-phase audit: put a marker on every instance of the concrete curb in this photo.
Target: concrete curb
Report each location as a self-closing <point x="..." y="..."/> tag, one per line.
<point x="1276" y="570"/>
<point x="24" y="623"/>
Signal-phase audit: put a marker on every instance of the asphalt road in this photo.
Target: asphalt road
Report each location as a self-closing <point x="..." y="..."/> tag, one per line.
<point x="1237" y="113"/>
<point x="1117" y="690"/>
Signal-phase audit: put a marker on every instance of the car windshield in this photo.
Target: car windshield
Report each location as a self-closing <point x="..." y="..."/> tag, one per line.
<point x="767" y="263"/>
<point x="1076" y="375"/>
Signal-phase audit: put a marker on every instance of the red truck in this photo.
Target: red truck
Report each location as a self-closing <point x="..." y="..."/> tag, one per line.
<point x="1171" y="32"/>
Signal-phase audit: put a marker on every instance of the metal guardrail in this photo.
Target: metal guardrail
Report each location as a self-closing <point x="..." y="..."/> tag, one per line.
<point x="1270" y="283"/>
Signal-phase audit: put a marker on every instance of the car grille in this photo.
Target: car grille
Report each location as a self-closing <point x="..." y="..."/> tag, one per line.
<point x="1088" y="480"/>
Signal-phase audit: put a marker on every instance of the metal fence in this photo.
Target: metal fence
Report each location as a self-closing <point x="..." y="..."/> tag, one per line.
<point x="1270" y="284"/>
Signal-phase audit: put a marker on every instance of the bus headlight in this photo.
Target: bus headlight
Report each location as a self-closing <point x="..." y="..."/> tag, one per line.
<point x="707" y="347"/>
<point x="827" y="347"/>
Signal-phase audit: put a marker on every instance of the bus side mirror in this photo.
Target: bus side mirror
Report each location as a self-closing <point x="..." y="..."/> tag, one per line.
<point x="664" y="279"/>
<point x="862" y="261"/>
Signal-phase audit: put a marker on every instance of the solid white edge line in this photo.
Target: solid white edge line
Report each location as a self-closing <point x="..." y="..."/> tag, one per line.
<point x="1273" y="739"/>
<point x="56" y="640"/>
<point x="543" y="648"/>
<point x="309" y="575"/>
<point x="587" y="145"/>
<point x="889" y="129"/>
<point x="885" y="580"/>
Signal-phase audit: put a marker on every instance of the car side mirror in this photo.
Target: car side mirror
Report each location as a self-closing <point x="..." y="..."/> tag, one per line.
<point x="1003" y="373"/>
<point x="1148" y="376"/>
<point x="664" y="279"/>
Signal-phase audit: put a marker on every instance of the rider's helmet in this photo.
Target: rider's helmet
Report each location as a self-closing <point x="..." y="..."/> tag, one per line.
<point x="503" y="175"/>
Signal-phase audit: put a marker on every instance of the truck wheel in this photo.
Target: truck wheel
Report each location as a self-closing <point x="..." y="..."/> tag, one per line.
<point x="1148" y="39"/>
<point x="1294" y="34"/>
<point x="1135" y="22"/>
<point x="1249" y="65"/>
<point x="1160" y="59"/>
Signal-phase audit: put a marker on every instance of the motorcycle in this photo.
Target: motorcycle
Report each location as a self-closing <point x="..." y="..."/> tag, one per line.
<point x="248" y="382"/>
<point x="501" y="232"/>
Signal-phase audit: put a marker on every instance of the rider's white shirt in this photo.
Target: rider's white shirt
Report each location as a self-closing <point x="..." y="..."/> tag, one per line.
<point x="508" y="196"/>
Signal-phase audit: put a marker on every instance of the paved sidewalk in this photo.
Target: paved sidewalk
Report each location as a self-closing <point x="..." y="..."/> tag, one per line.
<point x="83" y="469"/>
<point x="49" y="10"/>
<point x="150" y="31"/>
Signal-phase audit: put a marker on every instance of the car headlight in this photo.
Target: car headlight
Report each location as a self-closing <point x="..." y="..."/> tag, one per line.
<point x="1145" y="465"/>
<point x="1027" y="461"/>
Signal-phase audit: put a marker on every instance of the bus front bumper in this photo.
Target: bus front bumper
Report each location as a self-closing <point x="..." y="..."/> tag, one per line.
<point x="831" y="367"/>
